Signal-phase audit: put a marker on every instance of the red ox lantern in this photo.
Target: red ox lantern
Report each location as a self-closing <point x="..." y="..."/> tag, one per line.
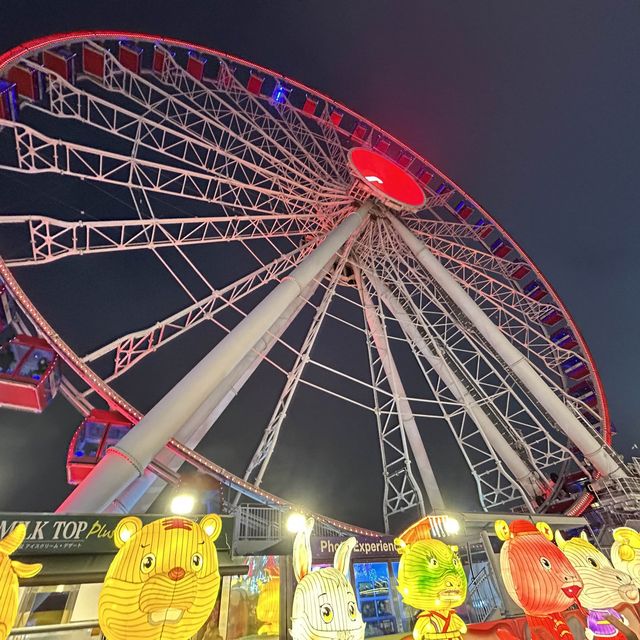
<point x="538" y="577"/>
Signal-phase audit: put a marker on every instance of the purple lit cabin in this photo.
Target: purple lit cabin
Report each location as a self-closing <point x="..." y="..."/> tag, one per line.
<point x="564" y="338"/>
<point x="574" y="368"/>
<point x="29" y="374"/>
<point x="584" y="392"/>
<point x="8" y="100"/>
<point x="99" y="431"/>
<point x="535" y="290"/>
<point x="500" y="248"/>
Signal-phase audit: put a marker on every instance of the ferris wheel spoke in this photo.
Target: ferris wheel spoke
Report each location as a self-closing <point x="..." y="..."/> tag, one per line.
<point x="496" y="303"/>
<point x="201" y="123"/>
<point x="490" y="444"/>
<point x="36" y="153"/>
<point x="256" y="116"/>
<point x="496" y="486"/>
<point x="52" y="239"/>
<point x="72" y="102"/>
<point x="260" y="461"/>
<point x="481" y="364"/>
<point x="130" y="349"/>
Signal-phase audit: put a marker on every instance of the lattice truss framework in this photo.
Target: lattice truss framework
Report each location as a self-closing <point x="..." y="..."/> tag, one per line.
<point x="274" y="181"/>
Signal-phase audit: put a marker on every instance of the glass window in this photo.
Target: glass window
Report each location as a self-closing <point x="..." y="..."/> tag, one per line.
<point x="10" y="356"/>
<point x="46" y="605"/>
<point x="254" y="600"/>
<point x="88" y="441"/>
<point x="36" y="364"/>
<point x="114" y="435"/>
<point x="374" y="597"/>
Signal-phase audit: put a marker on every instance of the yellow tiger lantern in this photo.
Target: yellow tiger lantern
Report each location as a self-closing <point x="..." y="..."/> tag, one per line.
<point x="163" y="582"/>
<point x="10" y="571"/>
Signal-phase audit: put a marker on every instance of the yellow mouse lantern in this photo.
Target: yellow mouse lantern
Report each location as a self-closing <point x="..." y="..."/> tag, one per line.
<point x="10" y="571"/>
<point x="163" y="582"/>
<point x="625" y="552"/>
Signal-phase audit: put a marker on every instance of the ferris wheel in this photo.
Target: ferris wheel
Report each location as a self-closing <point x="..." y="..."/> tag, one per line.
<point x="275" y="213"/>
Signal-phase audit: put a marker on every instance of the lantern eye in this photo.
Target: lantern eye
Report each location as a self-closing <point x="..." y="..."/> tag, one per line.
<point x="351" y="610"/>
<point x="196" y="562"/>
<point x="433" y="562"/>
<point x="546" y="563"/>
<point x="455" y="561"/>
<point x="593" y="562"/>
<point x="326" y="611"/>
<point x="148" y="563"/>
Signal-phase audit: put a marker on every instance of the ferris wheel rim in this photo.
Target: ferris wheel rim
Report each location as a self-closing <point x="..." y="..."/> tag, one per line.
<point x="39" y="44"/>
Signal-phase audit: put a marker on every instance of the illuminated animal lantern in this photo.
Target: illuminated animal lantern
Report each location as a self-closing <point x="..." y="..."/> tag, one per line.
<point x="163" y="582"/>
<point x="10" y="571"/>
<point x="603" y="586"/>
<point x="324" y="604"/>
<point x="431" y="578"/>
<point x="268" y="607"/>
<point x="538" y="576"/>
<point x="625" y="552"/>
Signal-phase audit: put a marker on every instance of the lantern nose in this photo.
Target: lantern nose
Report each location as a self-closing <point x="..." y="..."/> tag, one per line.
<point x="177" y="573"/>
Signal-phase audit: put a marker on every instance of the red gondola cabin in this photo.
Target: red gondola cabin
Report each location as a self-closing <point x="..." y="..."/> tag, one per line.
<point x="99" y="431"/>
<point x="29" y="374"/>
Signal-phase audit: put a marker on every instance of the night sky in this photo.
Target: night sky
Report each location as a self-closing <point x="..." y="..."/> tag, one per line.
<point x="532" y="108"/>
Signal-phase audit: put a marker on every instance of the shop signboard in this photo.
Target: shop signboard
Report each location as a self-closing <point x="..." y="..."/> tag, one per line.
<point x="323" y="548"/>
<point x="50" y="533"/>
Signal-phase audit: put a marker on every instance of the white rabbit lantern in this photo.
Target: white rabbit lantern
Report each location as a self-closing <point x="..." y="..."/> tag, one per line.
<point x="324" y="603"/>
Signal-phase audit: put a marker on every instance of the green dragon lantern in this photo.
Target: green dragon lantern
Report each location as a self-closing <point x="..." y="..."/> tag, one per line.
<point x="431" y="578"/>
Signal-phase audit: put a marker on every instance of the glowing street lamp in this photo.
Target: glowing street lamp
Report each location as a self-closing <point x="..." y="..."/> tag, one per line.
<point x="183" y="504"/>
<point x="451" y="526"/>
<point x="295" y="522"/>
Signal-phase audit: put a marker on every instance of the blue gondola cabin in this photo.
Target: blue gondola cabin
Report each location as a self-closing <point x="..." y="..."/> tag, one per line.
<point x="99" y="431"/>
<point x="29" y="374"/>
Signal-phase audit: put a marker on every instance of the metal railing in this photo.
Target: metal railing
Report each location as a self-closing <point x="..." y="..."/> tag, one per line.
<point x="66" y="631"/>
<point x="482" y="596"/>
<point x="261" y="523"/>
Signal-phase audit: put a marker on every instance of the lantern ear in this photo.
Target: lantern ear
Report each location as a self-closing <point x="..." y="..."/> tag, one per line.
<point x="302" y="551"/>
<point x="502" y="530"/>
<point x="545" y="530"/>
<point x="560" y="541"/>
<point x="13" y="540"/>
<point x="23" y="570"/>
<point x="626" y="553"/>
<point x="401" y="545"/>
<point x="627" y="535"/>
<point x="342" y="555"/>
<point x="212" y="526"/>
<point x="584" y="536"/>
<point x="126" y="529"/>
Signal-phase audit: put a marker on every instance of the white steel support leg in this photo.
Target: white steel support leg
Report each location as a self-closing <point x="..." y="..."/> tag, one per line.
<point x="128" y="460"/>
<point x="405" y="414"/>
<point x="142" y="492"/>
<point x="518" y="467"/>
<point x="594" y="450"/>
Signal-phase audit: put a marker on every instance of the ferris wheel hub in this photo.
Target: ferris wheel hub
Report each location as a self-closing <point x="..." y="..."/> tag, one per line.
<point x="385" y="180"/>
